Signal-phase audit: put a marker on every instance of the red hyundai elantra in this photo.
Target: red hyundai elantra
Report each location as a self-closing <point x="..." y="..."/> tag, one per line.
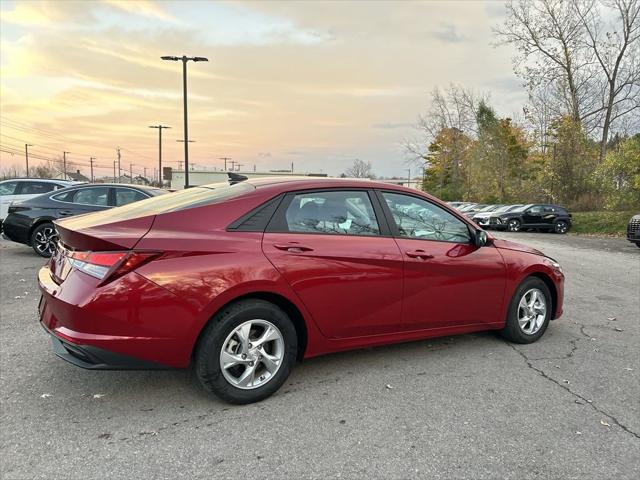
<point x="244" y="279"/>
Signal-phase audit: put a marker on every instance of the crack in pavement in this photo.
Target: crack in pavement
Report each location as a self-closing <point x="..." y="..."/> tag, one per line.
<point x="574" y="347"/>
<point x="577" y="395"/>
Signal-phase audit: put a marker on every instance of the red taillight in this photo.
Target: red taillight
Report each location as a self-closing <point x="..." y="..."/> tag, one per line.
<point x="109" y="265"/>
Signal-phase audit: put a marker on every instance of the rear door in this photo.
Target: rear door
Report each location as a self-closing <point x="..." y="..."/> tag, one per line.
<point x="125" y="196"/>
<point x="82" y="200"/>
<point x="335" y="251"/>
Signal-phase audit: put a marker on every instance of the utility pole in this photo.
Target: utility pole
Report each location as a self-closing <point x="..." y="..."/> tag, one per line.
<point x="160" y="128"/>
<point x="114" y="171"/>
<point x="184" y="60"/>
<point x="233" y="163"/>
<point x="225" y="162"/>
<point x="91" y="159"/>
<point x="240" y="165"/>
<point x="131" y="172"/>
<point x="119" y="170"/>
<point x="64" y="164"/>
<point x="291" y="167"/>
<point x="145" y="173"/>
<point x="408" y="177"/>
<point x="26" y="155"/>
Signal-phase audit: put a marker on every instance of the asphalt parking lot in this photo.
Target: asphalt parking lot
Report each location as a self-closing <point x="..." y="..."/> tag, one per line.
<point x="471" y="406"/>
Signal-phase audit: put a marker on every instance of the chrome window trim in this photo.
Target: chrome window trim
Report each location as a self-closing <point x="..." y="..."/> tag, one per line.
<point x="51" y="197"/>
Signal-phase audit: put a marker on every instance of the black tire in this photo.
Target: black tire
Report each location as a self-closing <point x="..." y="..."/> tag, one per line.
<point x="43" y="239"/>
<point x="514" y="225"/>
<point x="207" y="357"/>
<point x="561" y="227"/>
<point x="638" y="244"/>
<point x="512" y="330"/>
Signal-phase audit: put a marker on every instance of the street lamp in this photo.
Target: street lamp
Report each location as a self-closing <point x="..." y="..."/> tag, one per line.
<point x="184" y="60"/>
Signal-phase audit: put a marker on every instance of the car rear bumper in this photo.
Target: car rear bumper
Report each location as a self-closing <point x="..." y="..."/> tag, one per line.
<point x="129" y="323"/>
<point x="16" y="228"/>
<point x="93" y="358"/>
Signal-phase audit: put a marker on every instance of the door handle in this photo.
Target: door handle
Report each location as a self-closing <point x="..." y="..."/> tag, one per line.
<point x="421" y="254"/>
<point x="293" y="248"/>
<point x="65" y="213"/>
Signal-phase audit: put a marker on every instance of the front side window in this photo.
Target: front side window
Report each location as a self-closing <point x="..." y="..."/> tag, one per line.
<point x="127" y="195"/>
<point x="535" y="209"/>
<point x="8" y="188"/>
<point x="420" y="219"/>
<point x="98" y="196"/>
<point x="36" y="188"/>
<point x="332" y="212"/>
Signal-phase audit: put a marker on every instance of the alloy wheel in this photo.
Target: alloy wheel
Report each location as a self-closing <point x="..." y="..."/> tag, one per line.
<point x="514" y="225"/>
<point x="252" y="354"/>
<point x="532" y="311"/>
<point x="561" y="227"/>
<point x="45" y="240"/>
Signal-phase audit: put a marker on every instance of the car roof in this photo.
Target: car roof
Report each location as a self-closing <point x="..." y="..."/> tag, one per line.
<point x="45" y="180"/>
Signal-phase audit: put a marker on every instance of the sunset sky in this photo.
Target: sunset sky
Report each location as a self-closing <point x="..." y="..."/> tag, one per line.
<point x="314" y="83"/>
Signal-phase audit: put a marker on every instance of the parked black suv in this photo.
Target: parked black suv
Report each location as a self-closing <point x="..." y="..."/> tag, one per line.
<point x="550" y="218"/>
<point x="633" y="230"/>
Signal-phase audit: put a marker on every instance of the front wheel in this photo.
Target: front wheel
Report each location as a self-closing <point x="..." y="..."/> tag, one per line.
<point x="246" y="352"/>
<point x="44" y="239"/>
<point x="513" y="225"/>
<point x="529" y="312"/>
<point x="561" y="226"/>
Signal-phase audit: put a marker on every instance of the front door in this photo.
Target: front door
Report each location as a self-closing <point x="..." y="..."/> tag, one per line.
<point x="448" y="281"/>
<point x="329" y="246"/>
<point x="532" y="216"/>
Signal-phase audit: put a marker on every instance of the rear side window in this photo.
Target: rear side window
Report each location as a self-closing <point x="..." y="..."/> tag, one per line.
<point x="98" y="196"/>
<point x="8" y="188"/>
<point x="36" y="188"/>
<point x="125" y="196"/>
<point x="332" y="212"/>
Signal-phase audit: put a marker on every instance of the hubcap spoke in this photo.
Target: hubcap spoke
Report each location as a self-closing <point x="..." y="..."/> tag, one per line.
<point x="269" y="334"/>
<point x="229" y="360"/>
<point x="271" y="363"/>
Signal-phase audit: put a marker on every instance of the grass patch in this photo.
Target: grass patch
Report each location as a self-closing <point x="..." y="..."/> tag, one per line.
<point x="607" y="223"/>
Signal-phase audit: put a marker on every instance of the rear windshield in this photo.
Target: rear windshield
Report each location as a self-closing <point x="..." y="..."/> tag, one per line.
<point x="180" y="200"/>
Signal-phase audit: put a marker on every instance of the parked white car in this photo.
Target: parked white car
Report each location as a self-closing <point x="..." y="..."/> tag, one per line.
<point x="18" y="189"/>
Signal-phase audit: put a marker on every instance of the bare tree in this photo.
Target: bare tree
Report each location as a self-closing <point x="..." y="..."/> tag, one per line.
<point x="616" y="48"/>
<point x="584" y="65"/>
<point x="453" y="108"/>
<point x="359" y="169"/>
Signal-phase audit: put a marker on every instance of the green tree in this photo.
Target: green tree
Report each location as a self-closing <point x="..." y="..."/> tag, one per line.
<point x="444" y="174"/>
<point x="619" y="175"/>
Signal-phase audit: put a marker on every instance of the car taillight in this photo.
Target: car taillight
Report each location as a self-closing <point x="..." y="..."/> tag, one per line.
<point x="17" y="208"/>
<point x="109" y="265"/>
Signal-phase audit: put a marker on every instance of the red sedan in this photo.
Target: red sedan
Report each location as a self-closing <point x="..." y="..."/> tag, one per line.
<point x="245" y="279"/>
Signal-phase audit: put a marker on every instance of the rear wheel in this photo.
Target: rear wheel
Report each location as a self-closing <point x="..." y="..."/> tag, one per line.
<point x="638" y="244"/>
<point x="560" y="226"/>
<point x="529" y="312"/>
<point x="44" y="239"/>
<point x="513" y="225"/>
<point x="246" y="352"/>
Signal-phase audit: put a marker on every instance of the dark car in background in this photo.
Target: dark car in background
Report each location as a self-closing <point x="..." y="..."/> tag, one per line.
<point x="31" y="222"/>
<point x="545" y="217"/>
<point x="633" y="230"/>
<point x="482" y="217"/>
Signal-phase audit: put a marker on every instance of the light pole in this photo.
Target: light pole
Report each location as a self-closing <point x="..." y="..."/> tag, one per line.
<point x="160" y="128"/>
<point x="184" y="60"/>
<point x="91" y="159"/>
<point x="225" y="162"/>
<point x="26" y="155"/>
<point x="64" y="164"/>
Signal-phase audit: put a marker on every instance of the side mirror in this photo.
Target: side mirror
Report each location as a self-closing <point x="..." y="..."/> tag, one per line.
<point x="480" y="238"/>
